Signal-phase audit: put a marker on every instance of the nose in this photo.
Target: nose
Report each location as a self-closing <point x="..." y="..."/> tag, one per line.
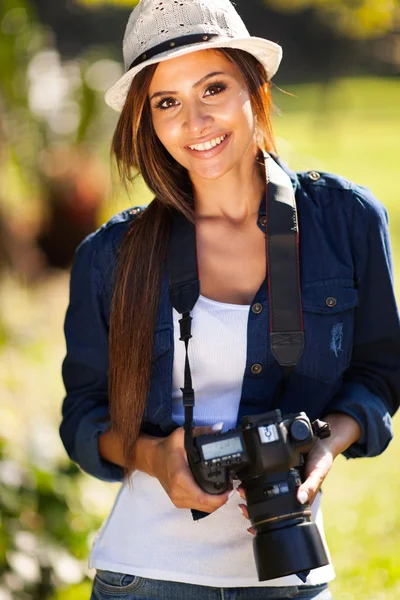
<point x="197" y="118"/>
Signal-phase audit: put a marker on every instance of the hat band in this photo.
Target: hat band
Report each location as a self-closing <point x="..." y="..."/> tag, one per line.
<point x="184" y="40"/>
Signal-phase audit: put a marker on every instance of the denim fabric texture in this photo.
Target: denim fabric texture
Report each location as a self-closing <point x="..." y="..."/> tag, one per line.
<point x="351" y="360"/>
<point x="109" y="586"/>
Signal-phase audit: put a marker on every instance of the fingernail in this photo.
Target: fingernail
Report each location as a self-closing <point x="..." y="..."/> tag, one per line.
<point x="302" y="496"/>
<point x="217" y="427"/>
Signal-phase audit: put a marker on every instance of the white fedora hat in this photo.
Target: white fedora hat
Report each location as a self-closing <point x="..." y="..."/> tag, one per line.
<point x="158" y="30"/>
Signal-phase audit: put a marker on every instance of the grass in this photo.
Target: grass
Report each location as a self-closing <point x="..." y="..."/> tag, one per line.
<point x="352" y="128"/>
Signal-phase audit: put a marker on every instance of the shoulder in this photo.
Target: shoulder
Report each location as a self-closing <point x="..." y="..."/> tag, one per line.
<point x="358" y="201"/>
<point x="111" y="233"/>
<point x="322" y="189"/>
<point x="113" y="230"/>
<point x="99" y="249"/>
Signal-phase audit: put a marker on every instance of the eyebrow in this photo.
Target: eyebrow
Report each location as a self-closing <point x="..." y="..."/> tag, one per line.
<point x="195" y="85"/>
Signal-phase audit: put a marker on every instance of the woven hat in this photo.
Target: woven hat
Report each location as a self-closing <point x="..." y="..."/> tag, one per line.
<point x="158" y="30"/>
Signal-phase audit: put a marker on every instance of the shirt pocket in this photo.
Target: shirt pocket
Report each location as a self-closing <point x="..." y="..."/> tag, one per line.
<point x="108" y="584"/>
<point x="328" y="315"/>
<point x="158" y="405"/>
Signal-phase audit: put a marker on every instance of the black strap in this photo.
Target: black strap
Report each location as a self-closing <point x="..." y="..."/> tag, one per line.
<point x="287" y="337"/>
<point x="286" y="334"/>
<point x="184" y="284"/>
<point x="184" y="291"/>
<point x="281" y="388"/>
<point x="184" y="40"/>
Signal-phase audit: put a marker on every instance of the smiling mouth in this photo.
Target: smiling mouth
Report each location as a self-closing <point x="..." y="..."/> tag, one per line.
<point x="210" y="144"/>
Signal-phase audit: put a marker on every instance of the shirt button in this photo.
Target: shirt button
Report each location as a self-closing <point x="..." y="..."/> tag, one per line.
<point x="256" y="369"/>
<point x="135" y="211"/>
<point x="263" y="221"/>
<point x="257" y="308"/>
<point x="314" y="175"/>
<point x="331" y="301"/>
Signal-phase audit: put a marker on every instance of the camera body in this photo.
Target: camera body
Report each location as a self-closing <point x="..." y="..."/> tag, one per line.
<point x="266" y="443"/>
<point x="267" y="454"/>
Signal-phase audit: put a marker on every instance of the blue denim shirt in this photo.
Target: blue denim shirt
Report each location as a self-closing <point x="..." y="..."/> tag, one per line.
<point x="351" y="360"/>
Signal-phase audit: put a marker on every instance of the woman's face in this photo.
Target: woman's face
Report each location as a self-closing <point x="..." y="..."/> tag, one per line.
<point x="202" y="114"/>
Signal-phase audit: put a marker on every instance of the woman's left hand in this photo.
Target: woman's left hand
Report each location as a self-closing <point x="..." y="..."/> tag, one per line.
<point x="344" y="431"/>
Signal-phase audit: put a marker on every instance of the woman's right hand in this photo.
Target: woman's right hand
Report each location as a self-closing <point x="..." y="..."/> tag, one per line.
<point x="171" y="468"/>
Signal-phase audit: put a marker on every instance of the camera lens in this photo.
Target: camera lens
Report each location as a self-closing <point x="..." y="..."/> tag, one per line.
<point x="286" y="539"/>
<point x="288" y="550"/>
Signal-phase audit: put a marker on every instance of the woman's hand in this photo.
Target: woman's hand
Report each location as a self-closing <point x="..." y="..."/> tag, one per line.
<point x="170" y="466"/>
<point x="344" y="431"/>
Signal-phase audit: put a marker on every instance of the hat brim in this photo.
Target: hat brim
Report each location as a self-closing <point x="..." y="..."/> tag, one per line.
<point x="268" y="53"/>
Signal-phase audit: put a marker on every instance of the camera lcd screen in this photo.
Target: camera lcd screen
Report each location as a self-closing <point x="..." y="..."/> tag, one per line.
<point x="222" y="448"/>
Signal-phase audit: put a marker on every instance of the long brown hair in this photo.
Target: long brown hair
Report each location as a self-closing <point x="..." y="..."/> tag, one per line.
<point x="143" y="252"/>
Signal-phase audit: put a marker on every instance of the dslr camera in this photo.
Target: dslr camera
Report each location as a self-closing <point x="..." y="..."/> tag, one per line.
<point x="267" y="454"/>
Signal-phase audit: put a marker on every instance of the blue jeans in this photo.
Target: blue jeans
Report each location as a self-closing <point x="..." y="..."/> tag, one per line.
<point x="110" y="586"/>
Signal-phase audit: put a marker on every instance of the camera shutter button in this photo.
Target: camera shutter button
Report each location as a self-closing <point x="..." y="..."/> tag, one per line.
<point x="299" y="430"/>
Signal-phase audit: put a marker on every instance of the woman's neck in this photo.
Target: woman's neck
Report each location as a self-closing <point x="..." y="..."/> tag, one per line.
<point x="234" y="197"/>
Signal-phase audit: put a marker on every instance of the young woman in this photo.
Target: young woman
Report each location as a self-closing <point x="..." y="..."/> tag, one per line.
<point x="195" y="122"/>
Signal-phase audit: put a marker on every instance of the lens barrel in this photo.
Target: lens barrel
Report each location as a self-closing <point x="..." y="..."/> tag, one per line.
<point x="289" y="550"/>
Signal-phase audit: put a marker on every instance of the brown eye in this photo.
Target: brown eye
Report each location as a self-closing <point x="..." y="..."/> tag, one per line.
<point x="166" y="103"/>
<point x="215" y="89"/>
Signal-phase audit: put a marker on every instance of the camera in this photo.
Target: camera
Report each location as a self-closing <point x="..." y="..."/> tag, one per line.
<point x="267" y="454"/>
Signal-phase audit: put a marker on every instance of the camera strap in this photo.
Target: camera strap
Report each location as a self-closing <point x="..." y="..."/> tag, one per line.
<point x="282" y="252"/>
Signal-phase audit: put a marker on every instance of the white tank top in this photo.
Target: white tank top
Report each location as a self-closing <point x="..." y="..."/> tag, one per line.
<point x="145" y="534"/>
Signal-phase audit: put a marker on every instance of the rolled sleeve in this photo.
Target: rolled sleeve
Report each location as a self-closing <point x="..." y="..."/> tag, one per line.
<point x="357" y="401"/>
<point x="85" y="410"/>
<point x="371" y="389"/>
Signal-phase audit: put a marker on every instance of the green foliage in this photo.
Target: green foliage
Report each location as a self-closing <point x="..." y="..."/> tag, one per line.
<point x="74" y="592"/>
<point x="116" y="3"/>
<point x="356" y="19"/>
<point x="21" y="37"/>
<point x="348" y="126"/>
<point x="44" y="529"/>
<point x="46" y="103"/>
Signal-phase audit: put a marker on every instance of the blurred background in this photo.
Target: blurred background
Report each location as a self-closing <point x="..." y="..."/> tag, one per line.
<point x="341" y="66"/>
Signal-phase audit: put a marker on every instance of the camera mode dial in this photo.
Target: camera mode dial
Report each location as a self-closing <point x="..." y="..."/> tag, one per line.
<point x="299" y="430"/>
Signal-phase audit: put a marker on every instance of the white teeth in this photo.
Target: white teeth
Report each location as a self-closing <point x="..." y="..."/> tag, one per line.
<point x="208" y="145"/>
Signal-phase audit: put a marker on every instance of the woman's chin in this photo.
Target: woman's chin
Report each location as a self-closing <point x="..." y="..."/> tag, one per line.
<point x="211" y="171"/>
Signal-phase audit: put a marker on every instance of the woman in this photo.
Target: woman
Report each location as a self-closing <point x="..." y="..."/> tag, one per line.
<point x="195" y="122"/>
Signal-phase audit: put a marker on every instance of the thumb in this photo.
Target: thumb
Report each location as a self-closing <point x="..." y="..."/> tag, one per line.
<point x="302" y="495"/>
<point x="308" y="490"/>
<point x="217" y="428"/>
<point x="318" y="464"/>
